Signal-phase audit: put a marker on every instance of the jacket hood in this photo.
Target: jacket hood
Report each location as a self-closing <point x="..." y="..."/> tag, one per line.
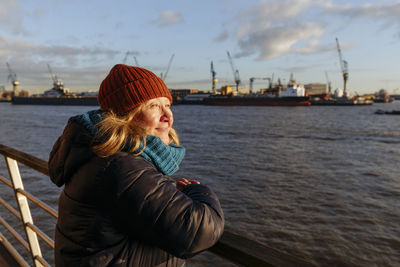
<point x="73" y="148"/>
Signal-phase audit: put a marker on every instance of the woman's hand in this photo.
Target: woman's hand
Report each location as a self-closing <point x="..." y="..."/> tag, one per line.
<point x="182" y="182"/>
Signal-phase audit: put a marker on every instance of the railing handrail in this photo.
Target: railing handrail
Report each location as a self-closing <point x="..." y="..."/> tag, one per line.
<point x="27" y="159"/>
<point x="35" y="200"/>
<point x="235" y="248"/>
<point x="12" y="157"/>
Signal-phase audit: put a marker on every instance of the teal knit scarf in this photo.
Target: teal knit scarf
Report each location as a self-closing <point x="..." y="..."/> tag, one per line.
<point x="166" y="158"/>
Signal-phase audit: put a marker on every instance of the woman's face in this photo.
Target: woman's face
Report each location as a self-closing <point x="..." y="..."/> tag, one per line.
<point x="157" y="118"/>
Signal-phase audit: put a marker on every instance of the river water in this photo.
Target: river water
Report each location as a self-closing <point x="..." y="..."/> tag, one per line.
<point x="320" y="182"/>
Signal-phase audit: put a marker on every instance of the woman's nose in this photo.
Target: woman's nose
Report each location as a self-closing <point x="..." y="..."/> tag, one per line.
<point x="166" y="113"/>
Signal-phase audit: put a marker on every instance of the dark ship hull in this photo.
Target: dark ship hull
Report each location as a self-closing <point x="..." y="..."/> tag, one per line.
<point x="62" y="100"/>
<point x="341" y="102"/>
<point x="256" y="101"/>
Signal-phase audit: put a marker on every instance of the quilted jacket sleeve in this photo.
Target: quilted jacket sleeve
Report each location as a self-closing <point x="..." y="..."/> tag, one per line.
<point x="152" y="210"/>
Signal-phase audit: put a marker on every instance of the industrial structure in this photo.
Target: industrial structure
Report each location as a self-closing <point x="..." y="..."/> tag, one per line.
<point x="235" y="72"/>
<point x="252" y="79"/>
<point x="164" y="76"/>
<point x="57" y="83"/>
<point x="312" y="89"/>
<point x="12" y="76"/>
<point x="126" y="58"/>
<point x="214" y="80"/>
<point x="328" y="83"/>
<point x="343" y="65"/>
<point x="136" y="61"/>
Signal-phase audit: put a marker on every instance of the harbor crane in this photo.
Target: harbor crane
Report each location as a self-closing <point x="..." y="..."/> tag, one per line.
<point x="328" y="82"/>
<point x="235" y="72"/>
<point x="126" y="57"/>
<point x="164" y="76"/>
<point x="136" y="62"/>
<point x="272" y="80"/>
<point x="343" y="65"/>
<point x="252" y="79"/>
<point x="214" y="80"/>
<point x="57" y="83"/>
<point x="12" y="76"/>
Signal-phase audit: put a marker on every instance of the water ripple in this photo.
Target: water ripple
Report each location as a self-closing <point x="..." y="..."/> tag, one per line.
<point x="317" y="182"/>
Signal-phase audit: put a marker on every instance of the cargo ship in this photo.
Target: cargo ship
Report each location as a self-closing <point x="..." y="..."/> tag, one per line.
<point x="58" y="95"/>
<point x="338" y="99"/>
<point x="61" y="100"/>
<point x="341" y="102"/>
<point x="293" y="95"/>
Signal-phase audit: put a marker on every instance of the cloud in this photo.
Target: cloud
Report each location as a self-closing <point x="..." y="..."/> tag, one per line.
<point x="11" y="16"/>
<point x="29" y="61"/>
<point x="223" y="36"/>
<point x="274" y="28"/>
<point x="80" y="68"/>
<point x="385" y="15"/>
<point x="269" y="13"/>
<point x="277" y="40"/>
<point x="314" y="47"/>
<point x="369" y="11"/>
<point x="19" y="48"/>
<point x="168" y="18"/>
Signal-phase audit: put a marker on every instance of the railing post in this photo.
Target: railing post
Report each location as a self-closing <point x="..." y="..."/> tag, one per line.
<point x="23" y="205"/>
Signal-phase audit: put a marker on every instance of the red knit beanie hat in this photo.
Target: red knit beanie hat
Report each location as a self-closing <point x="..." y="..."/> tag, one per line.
<point x="126" y="87"/>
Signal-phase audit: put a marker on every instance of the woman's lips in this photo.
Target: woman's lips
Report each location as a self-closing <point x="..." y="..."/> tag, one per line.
<point x="162" y="129"/>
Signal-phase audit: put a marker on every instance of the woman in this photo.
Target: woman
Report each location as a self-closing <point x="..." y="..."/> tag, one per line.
<point x="119" y="206"/>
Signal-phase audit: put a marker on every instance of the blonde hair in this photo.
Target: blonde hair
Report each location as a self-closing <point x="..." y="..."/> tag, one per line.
<point x="119" y="131"/>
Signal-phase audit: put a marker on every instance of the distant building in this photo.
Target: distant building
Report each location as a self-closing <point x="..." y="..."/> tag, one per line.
<point x="315" y="88"/>
<point x="23" y="93"/>
<point x="179" y="94"/>
<point x="395" y="97"/>
<point x="244" y="90"/>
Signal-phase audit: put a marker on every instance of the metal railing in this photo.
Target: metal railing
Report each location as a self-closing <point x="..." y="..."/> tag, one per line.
<point x="233" y="247"/>
<point x="32" y="232"/>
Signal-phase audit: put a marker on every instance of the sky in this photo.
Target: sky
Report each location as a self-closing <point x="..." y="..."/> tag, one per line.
<point x="82" y="40"/>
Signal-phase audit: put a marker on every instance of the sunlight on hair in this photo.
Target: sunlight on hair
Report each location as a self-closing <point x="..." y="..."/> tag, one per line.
<point x="121" y="131"/>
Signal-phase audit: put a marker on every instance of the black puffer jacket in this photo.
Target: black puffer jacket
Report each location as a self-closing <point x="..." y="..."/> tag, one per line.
<point x="121" y="211"/>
